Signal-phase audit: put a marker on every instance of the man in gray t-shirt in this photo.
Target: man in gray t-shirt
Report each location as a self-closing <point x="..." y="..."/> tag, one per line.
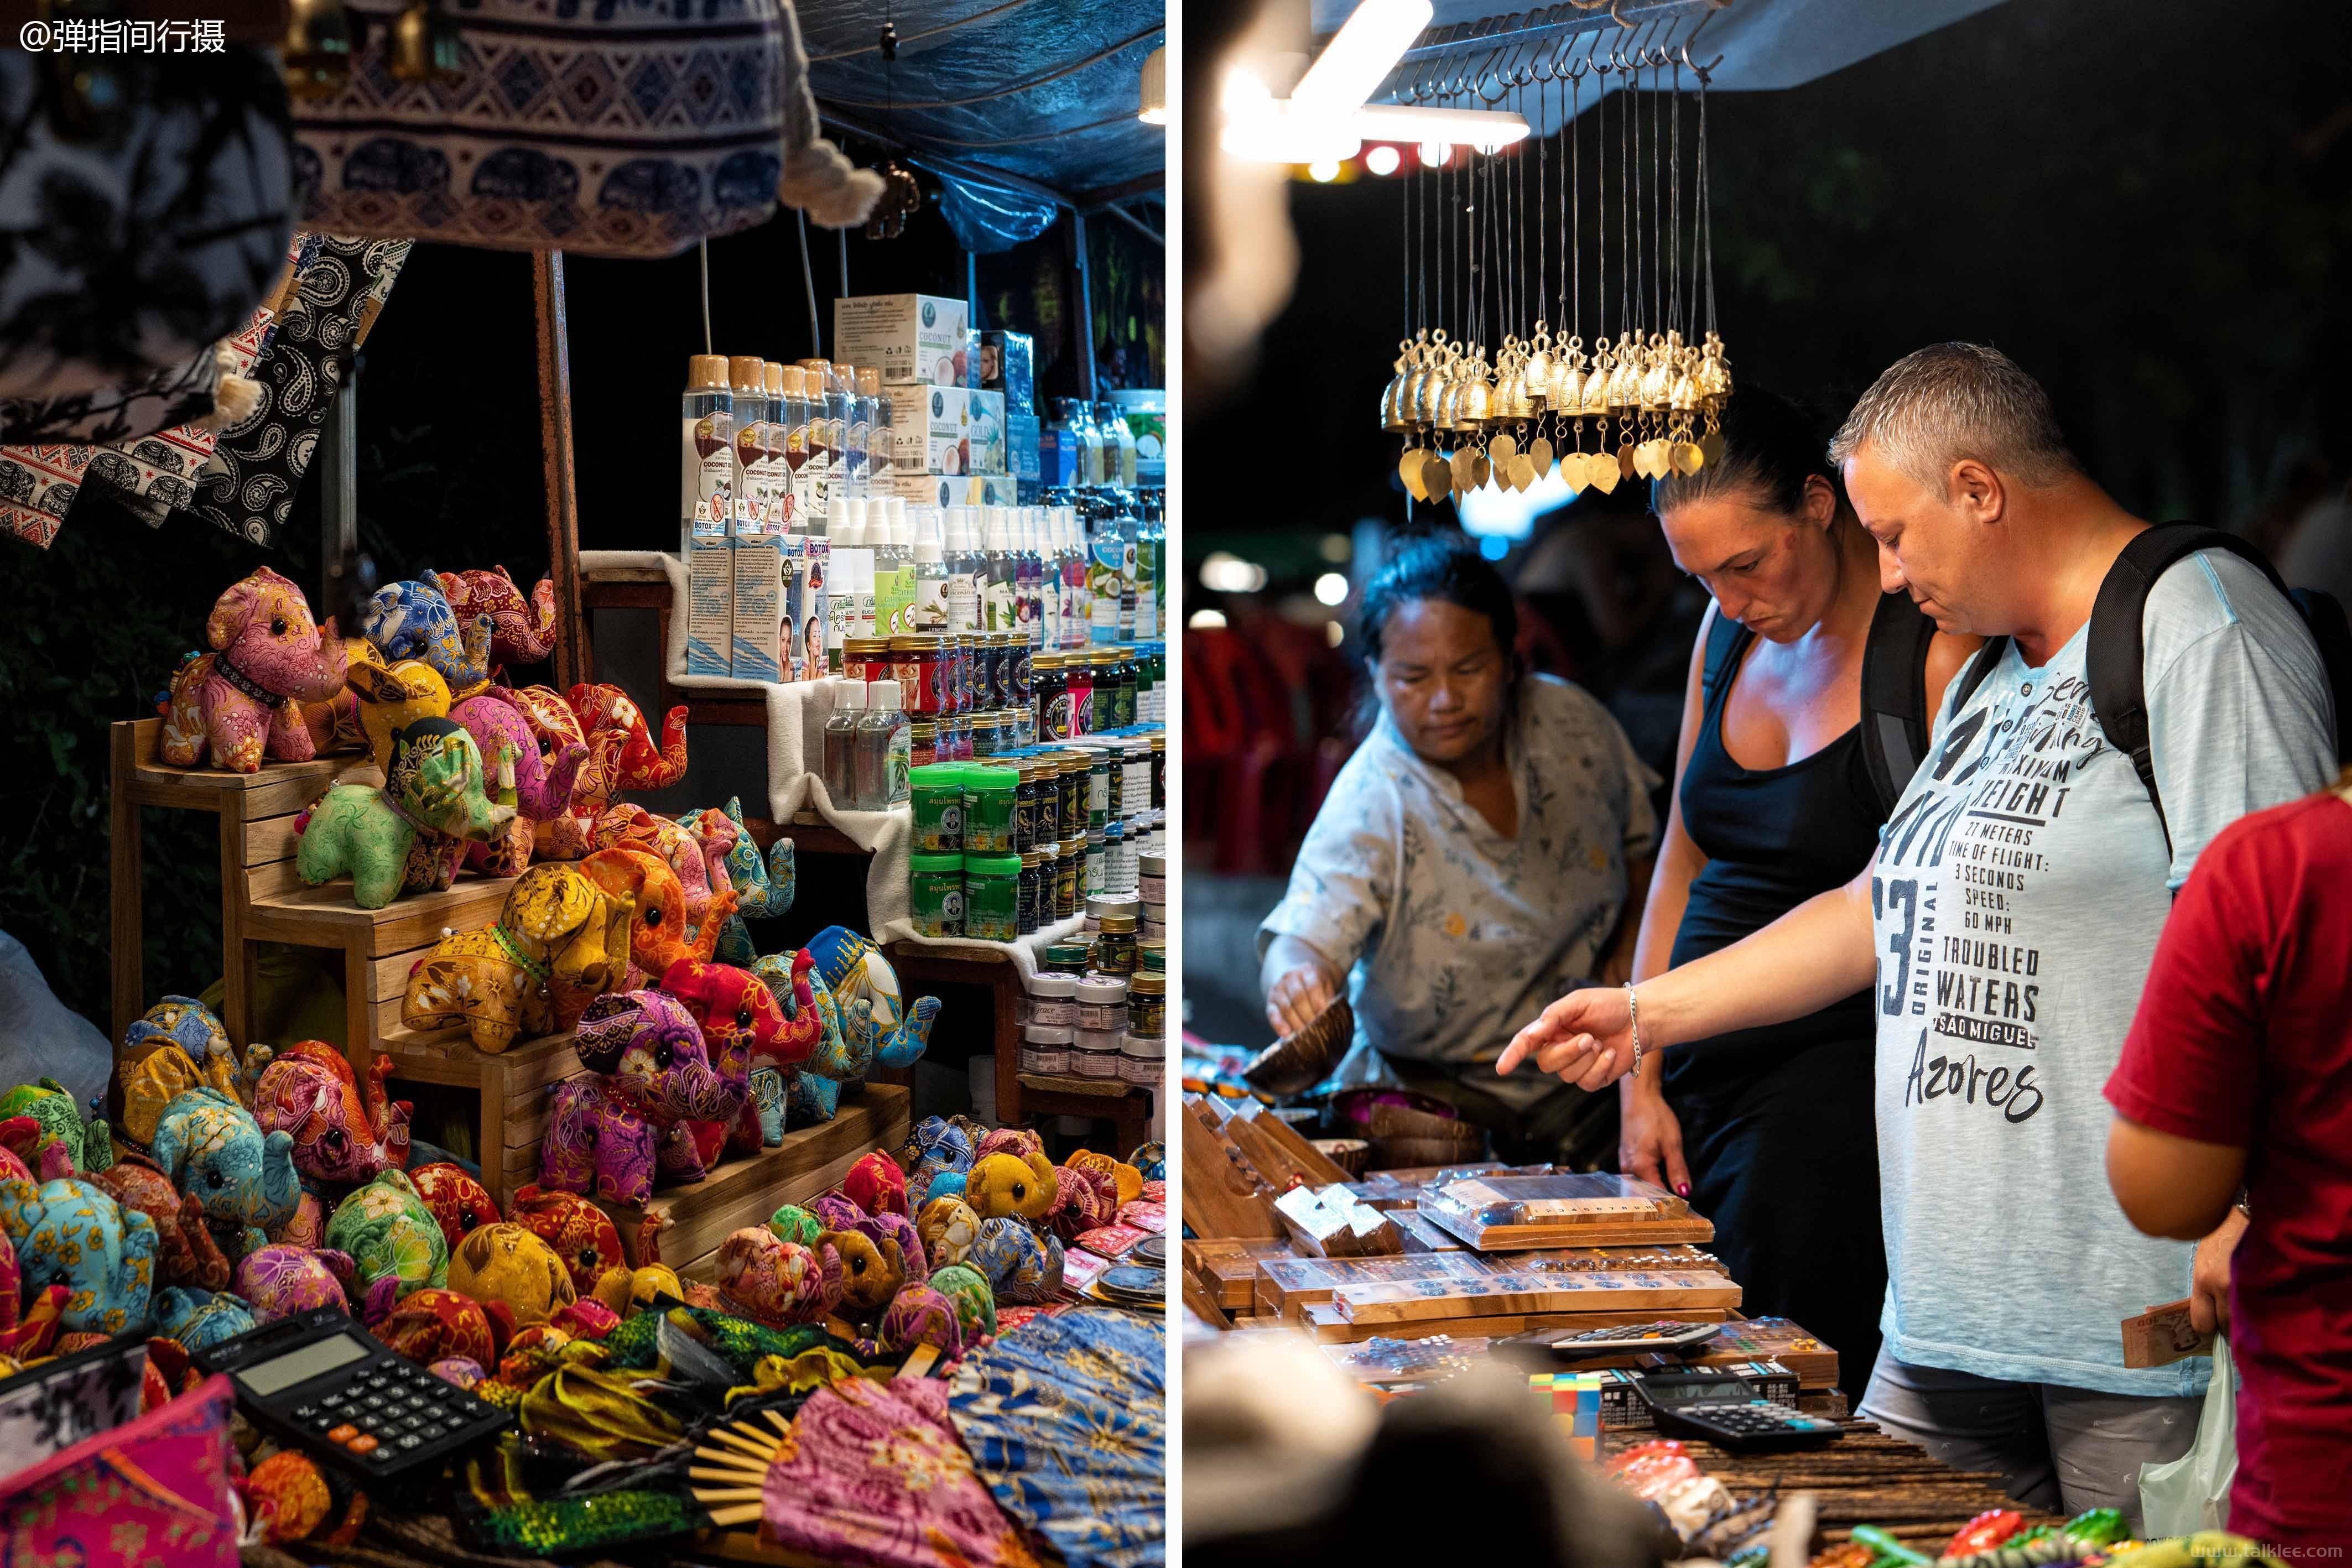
<point x="2006" y="924"/>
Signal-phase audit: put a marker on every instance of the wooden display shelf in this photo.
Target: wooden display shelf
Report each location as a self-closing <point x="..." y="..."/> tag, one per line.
<point x="695" y="1217"/>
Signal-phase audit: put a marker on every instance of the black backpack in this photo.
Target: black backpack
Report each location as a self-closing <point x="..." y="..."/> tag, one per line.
<point x="1896" y="734"/>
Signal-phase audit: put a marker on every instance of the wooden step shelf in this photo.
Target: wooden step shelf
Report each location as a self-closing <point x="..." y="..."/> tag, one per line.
<point x="697" y="1216"/>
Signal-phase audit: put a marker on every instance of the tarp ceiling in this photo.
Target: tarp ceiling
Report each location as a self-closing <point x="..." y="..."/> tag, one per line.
<point x="1765" y="44"/>
<point x="1045" y="91"/>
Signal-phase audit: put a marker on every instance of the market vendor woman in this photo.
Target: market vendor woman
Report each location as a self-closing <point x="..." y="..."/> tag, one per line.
<point x="1483" y="851"/>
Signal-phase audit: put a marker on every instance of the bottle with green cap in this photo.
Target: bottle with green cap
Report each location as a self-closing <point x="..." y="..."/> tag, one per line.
<point x="991" y="795"/>
<point x="935" y="893"/>
<point x="991" y="897"/>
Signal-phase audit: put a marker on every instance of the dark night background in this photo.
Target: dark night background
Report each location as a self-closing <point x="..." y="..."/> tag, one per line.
<point x="2147" y="202"/>
<point x="450" y="476"/>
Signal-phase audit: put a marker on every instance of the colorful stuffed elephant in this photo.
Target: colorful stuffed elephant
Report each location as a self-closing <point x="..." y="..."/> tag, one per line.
<point x="71" y="1233"/>
<point x="564" y="835"/>
<point x="199" y="1320"/>
<point x="185" y="1251"/>
<point x="920" y="1315"/>
<point x="339" y="1136"/>
<point x="948" y="1229"/>
<point x="215" y="1150"/>
<point x="388" y="698"/>
<point x="616" y="728"/>
<point x="628" y="827"/>
<point x="609" y="1130"/>
<point x="975" y="1302"/>
<point x="396" y="1244"/>
<point x="508" y="1264"/>
<point x="241" y="702"/>
<point x="853" y="969"/>
<point x="763" y="889"/>
<point x="1083" y="1199"/>
<point x="899" y="1233"/>
<point x="410" y="833"/>
<point x="523" y="632"/>
<point x="657" y="924"/>
<point x="457" y="1203"/>
<point x="871" y="1272"/>
<point x="413" y="619"/>
<point x="1020" y="1265"/>
<point x="778" y="1283"/>
<point x="282" y="1280"/>
<point x="432" y="1325"/>
<point x="743" y="1027"/>
<point x="1008" y="1185"/>
<point x="560" y="942"/>
<point x="201" y="1043"/>
<point x="878" y="1186"/>
<point x="542" y="780"/>
<point x="842" y="1054"/>
<point x="1126" y="1182"/>
<point x="88" y="1145"/>
<point x="580" y="1234"/>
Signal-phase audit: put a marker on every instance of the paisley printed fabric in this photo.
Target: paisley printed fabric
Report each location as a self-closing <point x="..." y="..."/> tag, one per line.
<point x="1067" y="1422"/>
<point x="873" y="1477"/>
<point x="249" y="487"/>
<point x="153" y="1491"/>
<point x="1456" y="934"/>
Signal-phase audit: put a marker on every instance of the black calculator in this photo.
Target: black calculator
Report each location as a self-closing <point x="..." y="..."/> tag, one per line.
<point x="1635" y="1339"/>
<point x="319" y="1382"/>
<point x="1726" y="1410"/>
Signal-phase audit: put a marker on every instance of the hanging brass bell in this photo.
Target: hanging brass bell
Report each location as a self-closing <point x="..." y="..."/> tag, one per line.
<point x="425" y="46"/>
<point x="317" y="49"/>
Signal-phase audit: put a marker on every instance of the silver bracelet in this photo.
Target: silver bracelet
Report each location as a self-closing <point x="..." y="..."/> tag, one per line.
<point x="1633" y="1016"/>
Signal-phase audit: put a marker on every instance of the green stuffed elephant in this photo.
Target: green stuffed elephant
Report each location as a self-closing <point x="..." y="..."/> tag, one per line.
<point x="89" y="1145"/>
<point x="397" y="1245"/>
<point x="216" y="1152"/>
<point x="411" y="834"/>
<point x="68" y="1232"/>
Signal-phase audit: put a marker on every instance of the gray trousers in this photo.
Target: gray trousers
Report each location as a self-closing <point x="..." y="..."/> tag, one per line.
<point x="2063" y="1449"/>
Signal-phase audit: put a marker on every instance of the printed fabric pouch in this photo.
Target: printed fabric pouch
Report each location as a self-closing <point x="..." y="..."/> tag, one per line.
<point x="601" y="133"/>
<point x="152" y="1493"/>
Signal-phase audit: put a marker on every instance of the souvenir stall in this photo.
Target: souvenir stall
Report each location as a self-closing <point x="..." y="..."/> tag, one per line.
<point x="1553" y="230"/>
<point x="598" y="1229"/>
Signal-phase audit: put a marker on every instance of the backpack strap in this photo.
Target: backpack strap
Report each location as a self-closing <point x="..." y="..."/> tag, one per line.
<point x="1894" y="716"/>
<point x="1726" y="640"/>
<point x="2116" y="663"/>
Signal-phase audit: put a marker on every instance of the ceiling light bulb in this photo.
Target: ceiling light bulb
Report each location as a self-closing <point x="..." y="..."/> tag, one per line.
<point x="1324" y="170"/>
<point x="1382" y="160"/>
<point x="1154" y="109"/>
<point x="1435" y="153"/>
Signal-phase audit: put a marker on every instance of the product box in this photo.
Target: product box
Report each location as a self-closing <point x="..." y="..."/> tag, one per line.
<point x="948" y="431"/>
<point x="762" y="646"/>
<point x="956" y="489"/>
<point x="972" y="382"/>
<point x="710" y="605"/>
<point x="912" y="338"/>
<point x="1058" y="458"/>
<point x="1146" y="413"/>
<point x="1008" y="364"/>
<point x="1021" y="433"/>
<point x="1622" y="1404"/>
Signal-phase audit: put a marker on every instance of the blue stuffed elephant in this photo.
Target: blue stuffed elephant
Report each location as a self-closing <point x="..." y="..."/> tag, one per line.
<point x="763" y="889"/>
<point x="200" y="1318"/>
<point x="853" y="969"/>
<point x="215" y="1151"/>
<point x="412" y="620"/>
<point x="68" y="1232"/>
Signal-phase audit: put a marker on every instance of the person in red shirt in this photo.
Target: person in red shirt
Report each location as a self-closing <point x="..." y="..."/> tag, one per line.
<point x="2239" y="1069"/>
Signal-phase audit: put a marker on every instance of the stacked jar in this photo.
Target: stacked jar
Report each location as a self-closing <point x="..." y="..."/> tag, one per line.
<point x="1049" y="1021"/>
<point x="1101" y="1029"/>
<point x="935" y="878"/>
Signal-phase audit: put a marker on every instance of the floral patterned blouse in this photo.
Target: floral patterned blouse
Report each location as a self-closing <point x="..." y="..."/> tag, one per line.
<point x="1455" y="934"/>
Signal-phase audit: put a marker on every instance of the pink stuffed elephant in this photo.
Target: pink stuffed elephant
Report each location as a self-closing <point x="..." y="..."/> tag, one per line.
<point x="523" y="632"/>
<point x="649" y="1071"/>
<point x="544" y="778"/>
<point x="243" y="700"/>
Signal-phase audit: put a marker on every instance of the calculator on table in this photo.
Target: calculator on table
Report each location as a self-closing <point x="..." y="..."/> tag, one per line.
<point x="319" y="1382"/>
<point x="1634" y="1339"/>
<point x="1726" y="1410"/>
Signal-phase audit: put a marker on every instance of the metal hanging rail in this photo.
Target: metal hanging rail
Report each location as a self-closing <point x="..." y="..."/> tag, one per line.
<point x="1520" y="33"/>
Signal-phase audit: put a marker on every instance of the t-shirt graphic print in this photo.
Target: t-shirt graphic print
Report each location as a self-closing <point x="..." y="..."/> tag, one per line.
<point x="2019" y="888"/>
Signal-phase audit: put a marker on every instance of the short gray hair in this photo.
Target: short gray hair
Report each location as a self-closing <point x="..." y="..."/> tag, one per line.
<point x="1936" y="406"/>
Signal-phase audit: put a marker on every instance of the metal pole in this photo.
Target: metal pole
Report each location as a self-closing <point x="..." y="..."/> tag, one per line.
<point x="1086" y="306"/>
<point x="338" y="512"/>
<point x="572" y="664"/>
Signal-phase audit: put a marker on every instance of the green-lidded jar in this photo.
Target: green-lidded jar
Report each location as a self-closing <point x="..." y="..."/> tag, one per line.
<point x="1151" y="956"/>
<point x="936" y="891"/>
<point x="989" y="797"/>
<point x="938" y="795"/>
<point x="1067" y="958"/>
<point x="991" y="897"/>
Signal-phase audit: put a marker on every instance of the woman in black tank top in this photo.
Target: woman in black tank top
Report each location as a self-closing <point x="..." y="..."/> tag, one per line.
<point x="1771" y="1131"/>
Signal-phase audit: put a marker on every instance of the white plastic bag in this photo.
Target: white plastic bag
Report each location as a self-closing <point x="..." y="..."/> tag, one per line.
<point x="2192" y="1492"/>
